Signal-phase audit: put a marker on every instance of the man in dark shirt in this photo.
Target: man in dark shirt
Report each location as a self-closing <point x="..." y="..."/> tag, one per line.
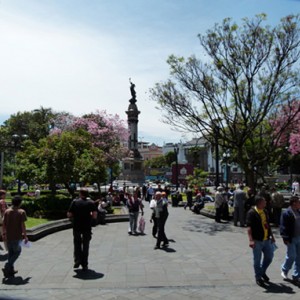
<point x="83" y="212"/>
<point x="261" y="239"/>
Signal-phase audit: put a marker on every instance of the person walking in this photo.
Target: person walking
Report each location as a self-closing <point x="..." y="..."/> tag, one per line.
<point x="290" y="233"/>
<point x="277" y="203"/>
<point x="153" y="219"/>
<point x="83" y="213"/>
<point x="14" y="230"/>
<point x="161" y="214"/>
<point x="134" y="205"/>
<point x="260" y="239"/>
<point x="189" y="198"/>
<point x="149" y="193"/>
<point x="239" y="200"/>
<point x="219" y="202"/>
<point x="3" y="208"/>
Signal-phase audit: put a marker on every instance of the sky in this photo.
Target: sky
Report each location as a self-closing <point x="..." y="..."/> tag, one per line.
<point x="78" y="55"/>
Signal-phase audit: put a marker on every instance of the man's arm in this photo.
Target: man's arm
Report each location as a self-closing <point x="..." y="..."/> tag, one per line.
<point x="250" y="237"/>
<point x="94" y="214"/>
<point x="24" y="232"/>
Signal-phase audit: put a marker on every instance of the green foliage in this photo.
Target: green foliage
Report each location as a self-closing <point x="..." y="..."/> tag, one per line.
<point x="249" y="73"/>
<point x="161" y="161"/>
<point x="198" y="178"/>
<point x="49" y="206"/>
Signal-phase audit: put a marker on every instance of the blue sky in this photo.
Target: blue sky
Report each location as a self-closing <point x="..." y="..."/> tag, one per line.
<point x="78" y="56"/>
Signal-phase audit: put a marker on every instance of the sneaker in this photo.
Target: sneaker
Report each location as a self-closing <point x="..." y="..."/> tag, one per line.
<point x="260" y="282"/>
<point x="265" y="277"/>
<point x="156" y="247"/>
<point x="165" y="245"/>
<point x="284" y="275"/>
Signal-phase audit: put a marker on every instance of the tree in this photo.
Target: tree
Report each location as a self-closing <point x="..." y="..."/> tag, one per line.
<point x="78" y="149"/>
<point x="249" y="73"/>
<point x="34" y="124"/>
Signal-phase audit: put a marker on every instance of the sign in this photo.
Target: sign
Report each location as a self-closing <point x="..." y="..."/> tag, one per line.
<point x="184" y="170"/>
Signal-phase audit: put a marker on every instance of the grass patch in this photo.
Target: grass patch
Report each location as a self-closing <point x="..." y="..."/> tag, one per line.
<point x="31" y="222"/>
<point x="117" y="210"/>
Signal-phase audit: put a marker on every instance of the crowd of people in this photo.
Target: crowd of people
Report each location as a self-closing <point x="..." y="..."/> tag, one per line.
<point x="256" y="211"/>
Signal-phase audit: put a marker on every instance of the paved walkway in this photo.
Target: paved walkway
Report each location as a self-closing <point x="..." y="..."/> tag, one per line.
<point x="205" y="260"/>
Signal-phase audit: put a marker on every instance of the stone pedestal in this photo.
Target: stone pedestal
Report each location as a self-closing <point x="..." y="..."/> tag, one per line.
<point x="133" y="170"/>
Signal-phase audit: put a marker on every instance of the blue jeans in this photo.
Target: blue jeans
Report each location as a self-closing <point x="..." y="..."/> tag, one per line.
<point x="14" y="251"/>
<point x="261" y="265"/>
<point x="293" y="256"/>
<point x="133" y="218"/>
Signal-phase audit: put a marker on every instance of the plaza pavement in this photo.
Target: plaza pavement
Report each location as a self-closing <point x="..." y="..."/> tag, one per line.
<point x="205" y="260"/>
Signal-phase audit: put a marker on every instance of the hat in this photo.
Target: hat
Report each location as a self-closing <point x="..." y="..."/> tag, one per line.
<point x="220" y="188"/>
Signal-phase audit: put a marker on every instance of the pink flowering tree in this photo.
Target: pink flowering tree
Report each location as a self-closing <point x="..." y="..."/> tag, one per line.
<point x="287" y="127"/>
<point x="106" y="134"/>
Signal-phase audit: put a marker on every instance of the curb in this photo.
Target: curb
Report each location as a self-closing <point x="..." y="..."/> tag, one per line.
<point x="40" y="231"/>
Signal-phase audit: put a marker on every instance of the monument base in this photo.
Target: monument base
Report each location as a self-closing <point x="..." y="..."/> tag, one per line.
<point x="133" y="170"/>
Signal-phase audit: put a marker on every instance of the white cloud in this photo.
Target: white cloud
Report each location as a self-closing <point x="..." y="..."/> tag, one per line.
<point x="71" y="56"/>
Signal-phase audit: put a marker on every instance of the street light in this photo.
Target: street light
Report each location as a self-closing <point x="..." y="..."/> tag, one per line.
<point x="17" y="140"/>
<point x="216" y="132"/>
<point x="176" y="151"/>
<point x="226" y="156"/>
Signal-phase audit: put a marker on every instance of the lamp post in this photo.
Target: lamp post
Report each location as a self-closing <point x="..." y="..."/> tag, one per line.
<point x="216" y="132"/>
<point x="17" y="141"/>
<point x="176" y="151"/>
<point x="226" y="156"/>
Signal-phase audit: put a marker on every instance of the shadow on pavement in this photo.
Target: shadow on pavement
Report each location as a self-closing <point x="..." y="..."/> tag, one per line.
<point x="167" y="249"/>
<point x="18" y="280"/>
<point x="275" y="288"/>
<point x="210" y="228"/>
<point x="88" y="275"/>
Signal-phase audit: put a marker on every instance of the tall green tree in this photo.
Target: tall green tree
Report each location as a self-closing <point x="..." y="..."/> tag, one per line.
<point x="248" y="72"/>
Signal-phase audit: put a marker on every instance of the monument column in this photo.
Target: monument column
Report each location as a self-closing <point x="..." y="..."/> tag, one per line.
<point x="133" y="169"/>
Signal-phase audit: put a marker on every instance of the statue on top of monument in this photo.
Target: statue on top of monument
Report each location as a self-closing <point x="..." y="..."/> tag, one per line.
<point x="132" y="90"/>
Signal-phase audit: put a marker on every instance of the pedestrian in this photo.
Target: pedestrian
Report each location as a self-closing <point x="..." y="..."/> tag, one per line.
<point x="290" y="233"/>
<point x="250" y="201"/>
<point x="161" y="214"/>
<point x="295" y="188"/>
<point x="264" y="192"/>
<point x="219" y="202"/>
<point x="83" y="213"/>
<point x="277" y="203"/>
<point x="134" y="205"/>
<point x="239" y="200"/>
<point x="189" y="198"/>
<point x="153" y="219"/>
<point x="3" y="208"/>
<point x="225" y="207"/>
<point x="149" y="193"/>
<point x="144" y="191"/>
<point x="260" y="239"/>
<point x="14" y="230"/>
